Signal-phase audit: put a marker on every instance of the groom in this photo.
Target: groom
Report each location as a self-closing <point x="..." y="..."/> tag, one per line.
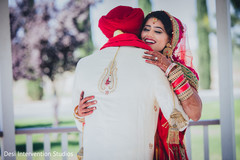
<point x="128" y="90"/>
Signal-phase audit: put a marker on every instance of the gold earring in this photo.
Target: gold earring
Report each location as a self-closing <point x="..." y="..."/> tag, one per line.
<point x="168" y="50"/>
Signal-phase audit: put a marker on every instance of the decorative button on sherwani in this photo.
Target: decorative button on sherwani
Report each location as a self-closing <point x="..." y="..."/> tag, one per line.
<point x="150" y="146"/>
<point x="155" y="108"/>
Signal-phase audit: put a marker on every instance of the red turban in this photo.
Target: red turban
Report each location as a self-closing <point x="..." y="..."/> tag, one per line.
<point x="124" y="18"/>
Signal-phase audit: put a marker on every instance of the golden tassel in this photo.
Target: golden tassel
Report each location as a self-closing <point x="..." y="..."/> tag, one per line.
<point x="177" y="119"/>
<point x="81" y="120"/>
<point x="176" y="122"/>
<point x="173" y="135"/>
<point x="80" y="154"/>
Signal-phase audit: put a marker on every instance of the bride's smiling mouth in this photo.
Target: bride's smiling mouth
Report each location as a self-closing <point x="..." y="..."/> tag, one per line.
<point x="149" y="41"/>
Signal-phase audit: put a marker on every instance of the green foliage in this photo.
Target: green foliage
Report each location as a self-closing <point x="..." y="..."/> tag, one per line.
<point x="235" y="23"/>
<point x="35" y="89"/>
<point x="234" y="20"/>
<point x="236" y="4"/>
<point x="203" y="43"/>
<point x="86" y="48"/>
<point x="145" y="5"/>
<point x="83" y="51"/>
<point x="51" y="35"/>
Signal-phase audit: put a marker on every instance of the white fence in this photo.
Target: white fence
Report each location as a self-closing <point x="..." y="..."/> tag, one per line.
<point x="65" y="130"/>
<point x="205" y="124"/>
<point x="46" y="143"/>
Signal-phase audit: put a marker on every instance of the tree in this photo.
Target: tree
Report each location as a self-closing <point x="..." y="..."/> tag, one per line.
<point x="44" y="38"/>
<point x="203" y="31"/>
<point x="235" y="23"/>
<point x="145" y="5"/>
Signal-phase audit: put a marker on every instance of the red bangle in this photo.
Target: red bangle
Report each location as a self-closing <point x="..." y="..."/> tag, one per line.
<point x="182" y="89"/>
<point x="178" y="81"/>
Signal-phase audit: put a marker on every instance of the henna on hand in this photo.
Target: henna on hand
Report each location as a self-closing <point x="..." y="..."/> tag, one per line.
<point x="84" y="108"/>
<point x="158" y="59"/>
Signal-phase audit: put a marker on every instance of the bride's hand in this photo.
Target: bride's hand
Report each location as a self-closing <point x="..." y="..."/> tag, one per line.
<point x="158" y="59"/>
<point x="84" y="108"/>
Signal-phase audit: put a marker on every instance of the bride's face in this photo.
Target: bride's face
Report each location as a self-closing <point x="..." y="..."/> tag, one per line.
<point x="154" y="34"/>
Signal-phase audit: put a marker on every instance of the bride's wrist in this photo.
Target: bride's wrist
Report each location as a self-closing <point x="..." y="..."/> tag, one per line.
<point x="170" y="68"/>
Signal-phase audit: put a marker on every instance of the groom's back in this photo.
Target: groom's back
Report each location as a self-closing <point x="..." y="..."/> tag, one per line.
<point x="125" y="118"/>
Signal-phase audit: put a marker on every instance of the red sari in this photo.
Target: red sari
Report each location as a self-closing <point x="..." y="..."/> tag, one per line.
<point x="162" y="151"/>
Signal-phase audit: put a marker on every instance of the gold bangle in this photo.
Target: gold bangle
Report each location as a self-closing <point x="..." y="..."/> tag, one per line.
<point x="173" y="77"/>
<point x="75" y="114"/>
<point x="177" y="69"/>
<point x="185" y="95"/>
<point x="193" y="81"/>
<point x="193" y="84"/>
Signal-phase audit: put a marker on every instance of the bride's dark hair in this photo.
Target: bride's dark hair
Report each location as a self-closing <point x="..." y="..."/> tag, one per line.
<point x="163" y="17"/>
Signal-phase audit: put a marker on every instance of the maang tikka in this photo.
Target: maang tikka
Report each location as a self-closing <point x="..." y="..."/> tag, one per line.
<point x="154" y="20"/>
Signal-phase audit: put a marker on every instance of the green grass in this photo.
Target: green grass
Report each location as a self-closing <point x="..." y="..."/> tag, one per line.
<point x="73" y="145"/>
<point x="210" y="111"/>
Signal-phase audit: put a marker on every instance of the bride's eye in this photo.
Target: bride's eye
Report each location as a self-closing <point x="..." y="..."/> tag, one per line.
<point x="145" y="29"/>
<point x="158" y="32"/>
